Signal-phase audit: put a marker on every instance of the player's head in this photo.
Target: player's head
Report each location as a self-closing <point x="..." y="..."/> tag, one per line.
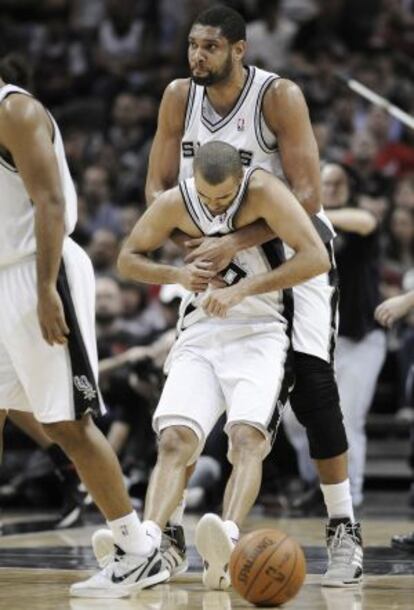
<point x="216" y="42"/>
<point x="14" y="70"/>
<point x="335" y="186"/>
<point x="218" y="172"/>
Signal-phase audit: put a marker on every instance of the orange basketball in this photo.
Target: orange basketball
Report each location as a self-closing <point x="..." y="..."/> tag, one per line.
<point x="267" y="567"/>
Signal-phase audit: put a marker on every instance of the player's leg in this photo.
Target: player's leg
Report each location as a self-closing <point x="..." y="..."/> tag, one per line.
<point x="315" y="402"/>
<point x="254" y="391"/>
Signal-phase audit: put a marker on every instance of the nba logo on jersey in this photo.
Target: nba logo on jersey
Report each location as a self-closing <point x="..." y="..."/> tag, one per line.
<point x="240" y="124"/>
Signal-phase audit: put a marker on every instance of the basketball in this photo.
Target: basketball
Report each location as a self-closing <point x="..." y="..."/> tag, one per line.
<point x="267" y="567"/>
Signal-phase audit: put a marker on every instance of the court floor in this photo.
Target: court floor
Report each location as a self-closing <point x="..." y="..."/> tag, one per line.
<point x="37" y="568"/>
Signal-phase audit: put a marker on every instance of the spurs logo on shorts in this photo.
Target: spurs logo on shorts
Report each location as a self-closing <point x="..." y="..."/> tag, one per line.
<point x="84" y="386"/>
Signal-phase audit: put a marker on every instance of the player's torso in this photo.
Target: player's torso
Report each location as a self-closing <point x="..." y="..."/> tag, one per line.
<point x="17" y="237"/>
<point x="243" y="127"/>
<point x="246" y="263"/>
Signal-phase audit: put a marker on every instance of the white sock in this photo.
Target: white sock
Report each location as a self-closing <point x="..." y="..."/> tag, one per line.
<point x="338" y="500"/>
<point x="178" y="515"/>
<point x="130" y="536"/>
<point x="232" y="530"/>
<point x="154" y="531"/>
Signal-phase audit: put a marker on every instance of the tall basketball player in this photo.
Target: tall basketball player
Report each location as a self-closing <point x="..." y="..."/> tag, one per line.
<point x="48" y="359"/>
<point x="266" y="118"/>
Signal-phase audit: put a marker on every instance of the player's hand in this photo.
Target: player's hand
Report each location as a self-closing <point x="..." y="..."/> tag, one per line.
<point x="219" y="251"/>
<point x="196" y="276"/>
<point x="391" y="310"/>
<point x="218" y="302"/>
<point x="52" y="317"/>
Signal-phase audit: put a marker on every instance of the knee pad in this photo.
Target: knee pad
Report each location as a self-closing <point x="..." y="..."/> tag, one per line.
<point x="315" y="402"/>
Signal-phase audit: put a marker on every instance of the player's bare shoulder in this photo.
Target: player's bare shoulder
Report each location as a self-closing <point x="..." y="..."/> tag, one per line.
<point x="283" y="99"/>
<point x="176" y="95"/>
<point x="20" y="113"/>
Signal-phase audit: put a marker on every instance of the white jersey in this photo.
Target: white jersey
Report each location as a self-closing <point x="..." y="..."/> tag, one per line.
<point x="17" y="236"/>
<point x="253" y="261"/>
<point x="244" y="127"/>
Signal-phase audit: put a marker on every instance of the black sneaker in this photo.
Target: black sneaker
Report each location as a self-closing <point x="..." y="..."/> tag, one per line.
<point x="173" y="549"/>
<point x="403" y="542"/>
<point x="345" y="554"/>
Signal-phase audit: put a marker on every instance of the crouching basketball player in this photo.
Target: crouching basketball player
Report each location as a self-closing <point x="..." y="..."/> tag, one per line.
<point x="232" y="351"/>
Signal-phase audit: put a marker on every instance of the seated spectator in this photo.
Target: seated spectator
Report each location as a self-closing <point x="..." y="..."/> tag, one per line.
<point x="96" y="191"/>
<point x="270" y="37"/>
<point x="103" y="250"/>
<point x="399" y="252"/>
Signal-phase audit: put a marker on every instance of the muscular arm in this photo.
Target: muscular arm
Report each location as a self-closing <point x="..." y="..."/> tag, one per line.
<point x="285" y="217"/>
<point x="353" y="220"/>
<point x="26" y="131"/>
<point x="151" y="232"/>
<point x="286" y="114"/>
<point x="165" y="151"/>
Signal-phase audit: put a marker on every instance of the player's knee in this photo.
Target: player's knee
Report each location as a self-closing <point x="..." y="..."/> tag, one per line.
<point x="177" y="444"/>
<point x="69" y="435"/>
<point x="247" y="441"/>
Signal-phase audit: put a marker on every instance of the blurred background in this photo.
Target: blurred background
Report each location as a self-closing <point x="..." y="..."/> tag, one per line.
<point x="101" y="66"/>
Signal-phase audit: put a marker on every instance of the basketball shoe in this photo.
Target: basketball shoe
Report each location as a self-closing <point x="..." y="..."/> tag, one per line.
<point x="123" y="576"/>
<point x="345" y="554"/>
<point x="173" y="548"/>
<point x="215" y="546"/>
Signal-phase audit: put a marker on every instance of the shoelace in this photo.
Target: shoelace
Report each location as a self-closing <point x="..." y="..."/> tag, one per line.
<point x="342" y="545"/>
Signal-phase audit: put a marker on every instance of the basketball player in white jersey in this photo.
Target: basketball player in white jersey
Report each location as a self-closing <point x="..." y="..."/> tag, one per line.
<point x="267" y="119"/>
<point x="48" y="358"/>
<point x="231" y="353"/>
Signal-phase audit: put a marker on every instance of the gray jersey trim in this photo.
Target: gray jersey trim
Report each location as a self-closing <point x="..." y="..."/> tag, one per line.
<point x="189" y="105"/>
<point x="189" y="206"/>
<point x="258" y="115"/>
<point x="213" y="127"/>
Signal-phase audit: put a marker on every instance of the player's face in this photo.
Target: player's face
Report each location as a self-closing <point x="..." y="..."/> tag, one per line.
<point x="210" y="55"/>
<point x="217" y="197"/>
<point x="335" y="190"/>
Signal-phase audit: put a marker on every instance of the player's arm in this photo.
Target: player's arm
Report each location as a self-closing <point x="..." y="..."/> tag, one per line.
<point x="26" y="132"/>
<point x="287" y="219"/>
<point x="353" y="220"/>
<point x="394" y="309"/>
<point x="164" y="159"/>
<point x="150" y="232"/>
<point x="286" y="114"/>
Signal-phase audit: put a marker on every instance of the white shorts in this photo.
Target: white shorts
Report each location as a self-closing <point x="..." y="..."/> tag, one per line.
<point x="315" y="318"/>
<point x="315" y="302"/>
<point x="56" y="383"/>
<point x="222" y="366"/>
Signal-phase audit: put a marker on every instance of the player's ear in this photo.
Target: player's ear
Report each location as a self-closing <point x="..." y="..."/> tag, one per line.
<point x="239" y="50"/>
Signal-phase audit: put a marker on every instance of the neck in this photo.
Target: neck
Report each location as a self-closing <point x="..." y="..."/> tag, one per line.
<point x="2" y="83"/>
<point x="223" y="95"/>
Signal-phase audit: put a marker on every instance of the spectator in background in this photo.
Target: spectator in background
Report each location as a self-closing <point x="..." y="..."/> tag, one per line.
<point x="270" y="38"/>
<point x="103" y="250"/>
<point x="399" y="251"/>
<point x="404" y="192"/>
<point x="362" y="158"/>
<point x="388" y="313"/>
<point x="96" y="191"/>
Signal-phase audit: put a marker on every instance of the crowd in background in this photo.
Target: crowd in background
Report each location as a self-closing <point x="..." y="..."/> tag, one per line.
<point x="101" y="66"/>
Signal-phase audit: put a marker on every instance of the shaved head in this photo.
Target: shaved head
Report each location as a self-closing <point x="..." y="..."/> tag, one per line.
<point x="217" y="161"/>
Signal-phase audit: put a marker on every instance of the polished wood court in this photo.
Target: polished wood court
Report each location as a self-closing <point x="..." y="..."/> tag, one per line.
<point x="43" y="583"/>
